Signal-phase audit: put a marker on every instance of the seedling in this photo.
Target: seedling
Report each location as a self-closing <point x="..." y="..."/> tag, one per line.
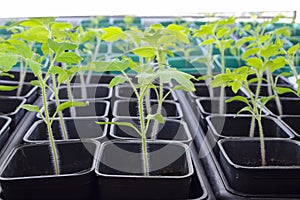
<point x="217" y="33"/>
<point x="41" y="30"/>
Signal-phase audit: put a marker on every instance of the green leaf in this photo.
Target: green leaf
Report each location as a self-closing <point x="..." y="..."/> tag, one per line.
<point x="35" y="83"/>
<point x="158" y="117"/>
<point x="7" y="61"/>
<point x="69" y="57"/>
<point x="277" y="63"/>
<point x="62" y="77"/>
<point x="117" y="80"/>
<point x="166" y="39"/>
<point x="34" y="66"/>
<point x="250" y="52"/>
<point x="222" y="31"/>
<point x="265" y="100"/>
<point x="60" y="47"/>
<point x="105" y="66"/>
<point x="293" y="49"/>
<point x="113" y="34"/>
<point x="235" y="86"/>
<point x="238" y="98"/>
<point x="37" y="33"/>
<point x="208" y="41"/>
<point x="148" y="52"/>
<point x="128" y="124"/>
<point x="23" y="50"/>
<point x="283" y="90"/>
<point x="7" y="88"/>
<point x="245" y="109"/>
<point x="56" y="70"/>
<point x="255" y="62"/>
<point x="61" y="25"/>
<point x="181" y="78"/>
<point x="204" y="30"/>
<point x="31" y="108"/>
<point x="69" y="104"/>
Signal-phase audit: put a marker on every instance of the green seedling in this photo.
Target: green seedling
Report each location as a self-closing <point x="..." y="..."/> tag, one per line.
<point x="217" y="33"/>
<point x="146" y="76"/>
<point x="43" y="30"/>
<point x="7" y="61"/>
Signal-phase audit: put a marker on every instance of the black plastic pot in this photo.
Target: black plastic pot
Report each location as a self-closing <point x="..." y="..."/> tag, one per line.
<point x="4" y="130"/>
<point x="229" y="126"/>
<point x="241" y="163"/>
<point x="93" y="109"/>
<point x="289" y="106"/>
<point x="265" y="93"/>
<point x="77" y="129"/>
<point x="95" y="92"/>
<point x="10" y="108"/>
<point x="16" y="76"/>
<point x="121" y="174"/>
<point x="280" y="81"/>
<point x="293" y="123"/>
<point x="95" y="79"/>
<point x="202" y="90"/>
<point x="29" y="92"/>
<point x="209" y="106"/>
<point x="28" y="172"/>
<point x="125" y="108"/>
<point x="171" y="130"/>
<point x="126" y="92"/>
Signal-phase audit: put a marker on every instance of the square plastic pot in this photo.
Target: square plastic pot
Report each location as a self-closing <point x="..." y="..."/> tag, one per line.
<point x="95" y="92"/>
<point x="93" y="109"/>
<point x="4" y="130"/>
<point x="126" y="92"/>
<point x="210" y="106"/>
<point x="121" y="174"/>
<point x="203" y="90"/>
<point x="173" y="130"/>
<point x="241" y="163"/>
<point x="28" y="91"/>
<point x="293" y="123"/>
<point x="10" y="107"/>
<point x="229" y="126"/>
<point x="28" y="172"/>
<point x="289" y="106"/>
<point x="95" y="79"/>
<point x="129" y="108"/>
<point x="77" y="129"/>
<point x="265" y="93"/>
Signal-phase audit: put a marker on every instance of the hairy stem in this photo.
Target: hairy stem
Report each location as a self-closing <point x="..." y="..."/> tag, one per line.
<point x="96" y="51"/>
<point x="49" y="128"/>
<point x="222" y="89"/>
<point x="262" y="142"/>
<point x="61" y="120"/>
<point x="144" y="139"/>
<point x="23" y="71"/>
<point x="252" y="126"/>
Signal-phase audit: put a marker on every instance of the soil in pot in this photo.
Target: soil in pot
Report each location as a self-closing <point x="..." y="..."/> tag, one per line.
<point x="28" y="172"/>
<point x="171" y="130"/>
<point x="120" y="168"/>
<point x="77" y="129"/>
<point x="241" y="163"/>
<point x="130" y="109"/>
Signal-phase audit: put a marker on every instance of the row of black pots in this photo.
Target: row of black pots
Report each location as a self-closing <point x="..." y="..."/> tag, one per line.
<point x="236" y="158"/>
<point x="86" y="128"/>
<point x="163" y="182"/>
<point x="115" y="172"/>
